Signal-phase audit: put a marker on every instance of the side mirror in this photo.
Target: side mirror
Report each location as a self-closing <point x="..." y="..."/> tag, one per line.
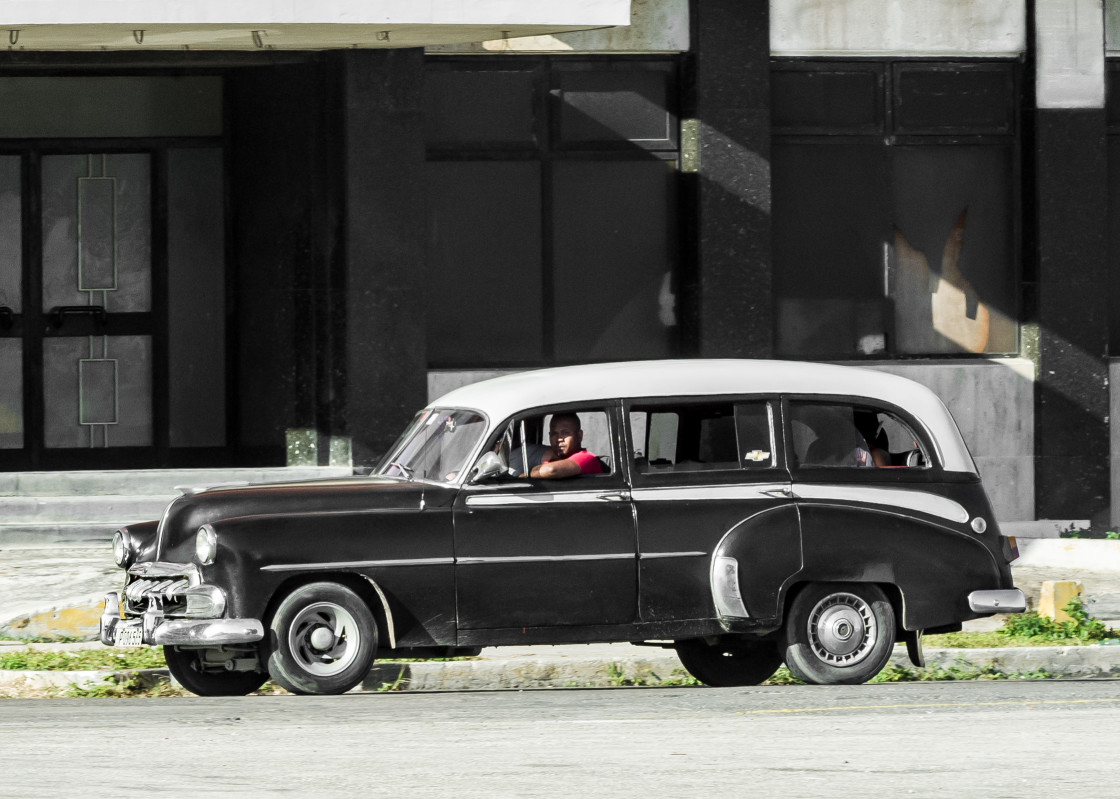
<point x="488" y="465"/>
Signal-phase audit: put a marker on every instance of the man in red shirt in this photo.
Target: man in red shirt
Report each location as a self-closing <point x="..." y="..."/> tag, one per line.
<point x="568" y="458"/>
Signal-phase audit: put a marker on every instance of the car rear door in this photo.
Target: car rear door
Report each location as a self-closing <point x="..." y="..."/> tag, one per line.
<point x="709" y="480"/>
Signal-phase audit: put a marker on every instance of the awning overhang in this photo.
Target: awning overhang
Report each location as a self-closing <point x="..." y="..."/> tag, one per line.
<point x="75" y="25"/>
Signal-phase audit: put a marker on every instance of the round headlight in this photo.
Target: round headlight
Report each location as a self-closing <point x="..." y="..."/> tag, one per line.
<point x="122" y="549"/>
<point x="206" y="545"/>
<point x="979" y="524"/>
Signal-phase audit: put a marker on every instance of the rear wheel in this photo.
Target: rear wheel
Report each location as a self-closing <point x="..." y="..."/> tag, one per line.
<point x="208" y="676"/>
<point x="839" y="633"/>
<point x="323" y="640"/>
<point x="730" y="660"/>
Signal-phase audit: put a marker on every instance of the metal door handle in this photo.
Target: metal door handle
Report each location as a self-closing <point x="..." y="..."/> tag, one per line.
<point x="60" y="312"/>
<point x="779" y="493"/>
<point x="613" y="497"/>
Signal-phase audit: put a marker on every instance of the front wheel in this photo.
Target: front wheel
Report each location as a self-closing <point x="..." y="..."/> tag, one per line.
<point x="323" y="639"/>
<point x="208" y="676"/>
<point x="839" y="633"/>
<point x="730" y="660"/>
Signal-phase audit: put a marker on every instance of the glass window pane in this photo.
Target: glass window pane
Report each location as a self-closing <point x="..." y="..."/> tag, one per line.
<point x="11" y="393"/>
<point x="11" y="233"/>
<point x="954" y="98"/>
<point x="97" y="231"/>
<point x="97" y="391"/>
<point x="953" y="276"/>
<point x="484" y="263"/>
<point x="616" y="106"/>
<point x="831" y="238"/>
<point x="612" y="276"/>
<point x="841" y="100"/>
<point x="478" y="106"/>
<point x="196" y="280"/>
<point x="685" y="438"/>
<point x="827" y="435"/>
<point x="84" y="107"/>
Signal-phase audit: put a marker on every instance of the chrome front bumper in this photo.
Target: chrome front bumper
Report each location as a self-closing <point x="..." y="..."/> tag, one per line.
<point x="157" y="629"/>
<point x="1005" y="600"/>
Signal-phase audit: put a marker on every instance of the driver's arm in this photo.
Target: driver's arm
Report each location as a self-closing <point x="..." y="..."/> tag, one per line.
<point x="553" y="469"/>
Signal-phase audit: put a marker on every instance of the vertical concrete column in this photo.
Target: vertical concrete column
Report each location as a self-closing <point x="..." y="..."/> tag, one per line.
<point x="382" y="228"/>
<point x="731" y="43"/>
<point x="1070" y="166"/>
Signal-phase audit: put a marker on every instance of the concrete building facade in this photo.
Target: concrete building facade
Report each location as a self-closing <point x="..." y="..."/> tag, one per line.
<point x="237" y="234"/>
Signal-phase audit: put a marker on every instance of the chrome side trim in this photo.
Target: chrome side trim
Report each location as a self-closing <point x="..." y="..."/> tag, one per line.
<point x="556" y="497"/>
<point x="545" y="558"/>
<point x="388" y="613"/>
<point x="656" y="555"/>
<point x="357" y="564"/>
<point x="921" y="501"/>
<point x="725" y="588"/>
<point x="728" y="492"/>
<point x="1005" y="600"/>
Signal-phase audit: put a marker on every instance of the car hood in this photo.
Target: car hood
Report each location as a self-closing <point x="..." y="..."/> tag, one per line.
<point x="187" y="513"/>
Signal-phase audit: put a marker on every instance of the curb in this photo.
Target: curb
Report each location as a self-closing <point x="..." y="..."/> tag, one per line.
<point x="526" y="673"/>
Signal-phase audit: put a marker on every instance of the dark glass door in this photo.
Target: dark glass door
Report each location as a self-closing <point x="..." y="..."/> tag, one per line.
<point x="93" y="244"/>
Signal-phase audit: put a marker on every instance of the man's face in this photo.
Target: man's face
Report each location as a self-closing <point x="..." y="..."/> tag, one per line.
<point x="565" y="437"/>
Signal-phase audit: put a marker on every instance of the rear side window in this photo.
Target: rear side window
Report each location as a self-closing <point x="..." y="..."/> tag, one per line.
<point x="844" y="435"/>
<point x="713" y="436"/>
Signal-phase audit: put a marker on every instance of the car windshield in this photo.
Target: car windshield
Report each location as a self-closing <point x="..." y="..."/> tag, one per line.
<point x="435" y="446"/>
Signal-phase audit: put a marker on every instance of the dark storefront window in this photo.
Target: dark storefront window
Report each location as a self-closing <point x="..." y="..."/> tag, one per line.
<point x="895" y="207"/>
<point x="551" y="186"/>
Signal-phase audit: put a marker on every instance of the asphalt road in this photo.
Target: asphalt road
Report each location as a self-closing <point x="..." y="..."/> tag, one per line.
<point x="976" y="739"/>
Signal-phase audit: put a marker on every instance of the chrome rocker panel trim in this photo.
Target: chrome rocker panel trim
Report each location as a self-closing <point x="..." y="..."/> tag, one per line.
<point x="1005" y="600"/>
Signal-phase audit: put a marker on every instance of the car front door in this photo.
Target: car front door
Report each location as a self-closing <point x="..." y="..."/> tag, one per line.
<point x="534" y="553"/>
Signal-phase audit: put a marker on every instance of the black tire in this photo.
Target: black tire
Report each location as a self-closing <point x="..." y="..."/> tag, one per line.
<point x="323" y="639"/>
<point x="731" y="660"/>
<point x="186" y="667"/>
<point x="839" y="633"/>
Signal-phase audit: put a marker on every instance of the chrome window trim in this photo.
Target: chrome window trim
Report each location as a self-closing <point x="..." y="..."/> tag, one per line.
<point x="710" y="492"/>
<point x="558" y="497"/>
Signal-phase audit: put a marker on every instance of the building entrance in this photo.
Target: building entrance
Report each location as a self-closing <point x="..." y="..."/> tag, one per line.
<point x="92" y="238"/>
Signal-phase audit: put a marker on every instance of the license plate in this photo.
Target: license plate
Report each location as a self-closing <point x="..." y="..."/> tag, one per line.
<point x="132" y="635"/>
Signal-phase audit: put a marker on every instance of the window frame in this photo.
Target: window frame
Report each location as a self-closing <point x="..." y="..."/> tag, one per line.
<point x="889" y="69"/>
<point x="933" y="471"/>
<point x="777" y="472"/>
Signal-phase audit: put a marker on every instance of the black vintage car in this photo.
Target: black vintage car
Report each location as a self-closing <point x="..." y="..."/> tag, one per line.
<point x="744" y="513"/>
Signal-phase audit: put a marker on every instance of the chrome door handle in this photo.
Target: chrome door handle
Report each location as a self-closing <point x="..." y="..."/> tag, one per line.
<point x="613" y="497"/>
<point x="779" y="493"/>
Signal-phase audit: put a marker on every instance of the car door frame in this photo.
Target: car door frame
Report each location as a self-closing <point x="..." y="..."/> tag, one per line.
<point x="748" y="519"/>
<point x="590" y="556"/>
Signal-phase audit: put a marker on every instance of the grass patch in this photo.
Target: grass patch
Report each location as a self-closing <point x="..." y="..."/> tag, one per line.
<point x="83" y="659"/>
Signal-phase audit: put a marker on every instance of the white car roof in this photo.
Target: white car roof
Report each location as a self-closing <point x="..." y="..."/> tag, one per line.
<point x="501" y="397"/>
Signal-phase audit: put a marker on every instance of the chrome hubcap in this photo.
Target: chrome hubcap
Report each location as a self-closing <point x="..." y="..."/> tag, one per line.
<point x="324" y="638"/>
<point x="842" y="629"/>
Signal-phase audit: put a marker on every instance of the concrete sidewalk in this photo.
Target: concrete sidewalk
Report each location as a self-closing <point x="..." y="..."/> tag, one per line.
<point x="612" y="665"/>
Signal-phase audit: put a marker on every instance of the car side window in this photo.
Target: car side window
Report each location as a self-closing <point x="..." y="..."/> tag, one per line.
<point x="844" y="435"/>
<point x="697" y="437"/>
<point x="594" y="422"/>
